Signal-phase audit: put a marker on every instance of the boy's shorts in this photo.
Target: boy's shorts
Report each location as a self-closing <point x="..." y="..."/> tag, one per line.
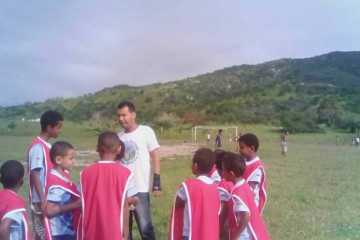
<point x="64" y="237"/>
<point x="283" y="146"/>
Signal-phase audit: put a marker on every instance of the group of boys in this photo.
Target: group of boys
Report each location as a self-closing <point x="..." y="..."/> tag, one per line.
<point x="228" y="207"/>
<point x="99" y="207"/>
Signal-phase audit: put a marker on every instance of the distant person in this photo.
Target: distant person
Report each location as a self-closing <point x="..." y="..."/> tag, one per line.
<point x="63" y="202"/>
<point x="195" y="213"/>
<point x="357" y="141"/>
<point x="254" y="173"/>
<point x="218" y="139"/>
<point x="104" y="187"/>
<point x="39" y="167"/>
<point x="13" y="218"/>
<point x="244" y="218"/>
<point x="141" y="152"/>
<point x="337" y="140"/>
<point x="284" y="143"/>
<point x="224" y="188"/>
<point x="208" y="138"/>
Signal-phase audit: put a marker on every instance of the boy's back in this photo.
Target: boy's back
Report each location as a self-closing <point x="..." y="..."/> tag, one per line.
<point x="201" y="208"/>
<point x="104" y="185"/>
<point x="243" y="194"/>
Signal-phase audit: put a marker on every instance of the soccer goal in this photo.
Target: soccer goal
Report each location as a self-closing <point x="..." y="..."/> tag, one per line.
<point x="210" y="132"/>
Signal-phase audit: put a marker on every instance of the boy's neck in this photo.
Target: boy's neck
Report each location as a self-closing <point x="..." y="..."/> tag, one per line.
<point x="107" y="156"/>
<point x="44" y="136"/>
<point x="59" y="169"/>
<point x="251" y="157"/>
<point x="14" y="189"/>
<point x="237" y="179"/>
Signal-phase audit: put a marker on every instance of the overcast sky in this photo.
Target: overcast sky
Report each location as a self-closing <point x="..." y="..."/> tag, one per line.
<point x="69" y="48"/>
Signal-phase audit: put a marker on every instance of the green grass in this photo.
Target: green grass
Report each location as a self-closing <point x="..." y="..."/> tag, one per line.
<point x="313" y="193"/>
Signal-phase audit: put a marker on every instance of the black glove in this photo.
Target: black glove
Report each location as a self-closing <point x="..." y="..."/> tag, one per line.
<point x="156" y="182"/>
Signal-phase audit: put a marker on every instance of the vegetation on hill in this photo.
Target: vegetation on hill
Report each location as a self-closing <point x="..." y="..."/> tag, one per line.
<point x="300" y="95"/>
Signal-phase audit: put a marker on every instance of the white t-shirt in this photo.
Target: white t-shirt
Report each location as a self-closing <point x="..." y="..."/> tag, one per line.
<point x="138" y="145"/>
<point x="255" y="177"/>
<point x="239" y="206"/>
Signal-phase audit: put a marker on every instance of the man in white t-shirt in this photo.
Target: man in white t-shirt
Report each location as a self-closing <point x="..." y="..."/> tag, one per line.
<point x="141" y="153"/>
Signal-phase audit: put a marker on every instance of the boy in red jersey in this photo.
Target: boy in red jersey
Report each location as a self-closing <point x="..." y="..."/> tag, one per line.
<point x="195" y="213"/>
<point x="104" y="186"/>
<point x="13" y="218"/>
<point x="63" y="203"/>
<point x="39" y="167"/>
<point x="244" y="218"/>
<point x="224" y="188"/>
<point x="254" y="173"/>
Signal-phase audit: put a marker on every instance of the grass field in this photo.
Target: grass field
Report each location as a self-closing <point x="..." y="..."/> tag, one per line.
<point x="313" y="193"/>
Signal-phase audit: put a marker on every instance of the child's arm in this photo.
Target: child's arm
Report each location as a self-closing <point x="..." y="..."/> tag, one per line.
<point x="223" y="215"/>
<point x="253" y="185"/>
<point x="244" y="220"/>
<point x="179" y="203"/>
<point x="5" y="228"/>
<point x="35" y="178"/>
<point x="132" y="201"/>
<point x="126" y="219"/>
<point x="53" y="209"/>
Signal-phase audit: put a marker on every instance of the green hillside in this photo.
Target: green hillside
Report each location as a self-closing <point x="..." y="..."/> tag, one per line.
<point x="298" y="94"/>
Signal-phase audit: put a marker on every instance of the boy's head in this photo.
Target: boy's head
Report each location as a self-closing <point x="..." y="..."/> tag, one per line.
<point x="203" y="161"/>
<point x="51" y="122"/>
<point x="220" y="131"/>
<point x="219" y="154"/>
<point x="62" y="154"/>
<point x="121" y="155"/>
<point x="233" y="166"/>
<point x="11" y="174"/>
<point x="108" y="143"/>
<point x="248" y="145"/>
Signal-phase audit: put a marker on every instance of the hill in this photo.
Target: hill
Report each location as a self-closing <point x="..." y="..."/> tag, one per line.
<point x="298" y="94"/>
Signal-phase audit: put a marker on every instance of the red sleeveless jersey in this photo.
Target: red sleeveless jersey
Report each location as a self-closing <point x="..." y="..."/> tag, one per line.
<point x="251" y="166"/>
<point x="11" y="202"/>
<point x="103" y="185"/>
<point x="204" y="205"/>
<point x="256" y="225"/>
<point x="68" y="186"/>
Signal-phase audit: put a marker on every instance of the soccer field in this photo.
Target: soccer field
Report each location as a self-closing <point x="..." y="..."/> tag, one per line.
<point x="313" y="193"/>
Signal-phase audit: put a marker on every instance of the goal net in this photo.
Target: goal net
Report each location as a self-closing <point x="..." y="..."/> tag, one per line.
<point x="209" y="132"/>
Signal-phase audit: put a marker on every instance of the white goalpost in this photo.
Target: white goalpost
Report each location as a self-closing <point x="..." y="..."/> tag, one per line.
<point x="195" y="130"/>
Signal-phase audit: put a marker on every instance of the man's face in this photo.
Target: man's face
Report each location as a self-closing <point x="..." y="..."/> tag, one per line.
<point x="126" y="118"/>
<point x="55" y="131"/>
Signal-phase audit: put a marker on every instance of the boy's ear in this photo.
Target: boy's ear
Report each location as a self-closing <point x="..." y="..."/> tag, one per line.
<point x="118" y="150"/>
<point x="97" y="148"/>
<point x="58" y="159"/>
<point x="21" y="181"/>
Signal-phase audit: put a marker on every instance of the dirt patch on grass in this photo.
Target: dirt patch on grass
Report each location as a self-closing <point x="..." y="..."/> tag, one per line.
<point x="87" y="157"/>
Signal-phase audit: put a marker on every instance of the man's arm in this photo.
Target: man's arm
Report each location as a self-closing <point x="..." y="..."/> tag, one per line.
<point x="5" y="228"/>
<point x="155" y="163"/>
<point x="35" y="178"/>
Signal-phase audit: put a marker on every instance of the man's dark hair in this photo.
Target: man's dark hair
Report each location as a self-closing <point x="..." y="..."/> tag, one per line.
<point x="11" y="172"/>
<point x="250" y="140"/>
<point x="50" y="118"/>
<point x="205" y="160"/>
<point x="60" y="148"/>
<point x="108" y="141"/>
<point x="234" y="162"/>
<point x="128" y="104"/>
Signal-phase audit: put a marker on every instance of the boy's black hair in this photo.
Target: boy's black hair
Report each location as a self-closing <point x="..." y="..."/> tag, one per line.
<point x="234" y="162"/>
<point x="59" y="148"/>
<point x="50" y="118"/>
<point x="205" y="160"/>
<point x="11" y="172"/>
<point x="108" y="142"/>
<point x="128" y="104"/>
<point x="220" y="130"/>
<point x="121" y="155"/>
<point x="219" y="155"/>
<point x="250" y="140"/>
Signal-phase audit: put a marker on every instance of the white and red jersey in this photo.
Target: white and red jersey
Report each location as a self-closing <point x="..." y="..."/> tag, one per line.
<point x="65" y="184"/>
<point x="48" y="165"/>
<point x="103" y="191"/>
<point x="203" y="211"/>
<point x="214" y="175"/>
<point x="10" y="203"/>
<point x="225" y="188"/>
<point x="243" y="193"/>
<point x="251" y="168"/>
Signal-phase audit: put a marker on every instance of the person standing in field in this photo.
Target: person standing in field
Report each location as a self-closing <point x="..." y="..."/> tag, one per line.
<point x="208" y="137"/>
<point x="218" y="139"/>
<point x="141" y="153"/>
<point x="39" y="167"/>
<point x="284" y="143"/>
<point x="13" y="218"/>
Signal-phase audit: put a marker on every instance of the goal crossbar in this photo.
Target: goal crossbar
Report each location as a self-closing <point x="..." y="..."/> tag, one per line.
<point x="194" y="129"/>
